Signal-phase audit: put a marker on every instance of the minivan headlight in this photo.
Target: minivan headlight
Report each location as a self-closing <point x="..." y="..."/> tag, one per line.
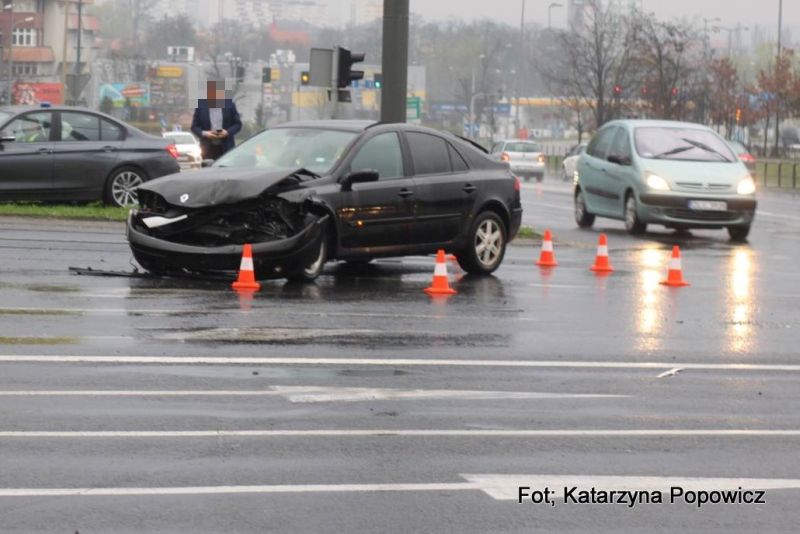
<point x="656" y="182"/>
<point x="746" y="186"/>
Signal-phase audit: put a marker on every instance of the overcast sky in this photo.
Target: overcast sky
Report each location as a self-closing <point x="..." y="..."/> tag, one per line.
<point x="732" y="12"/>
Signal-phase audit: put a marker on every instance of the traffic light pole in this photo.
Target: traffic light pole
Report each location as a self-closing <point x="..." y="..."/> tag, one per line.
<point x="394" y="61"/>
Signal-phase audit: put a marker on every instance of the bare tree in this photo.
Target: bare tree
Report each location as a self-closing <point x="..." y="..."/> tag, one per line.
<point x="597" y="67"/>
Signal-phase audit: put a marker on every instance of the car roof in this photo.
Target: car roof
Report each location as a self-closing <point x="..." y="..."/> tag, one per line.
<point x="519" y="141"/>
<point x="331" y="124"/>
<point x="644" y="123"/>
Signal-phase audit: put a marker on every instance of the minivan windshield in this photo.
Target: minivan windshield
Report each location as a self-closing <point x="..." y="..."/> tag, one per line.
<point x="683" y="144"/>
<point x="289" y="148"/>
<point x="181" y="138"/>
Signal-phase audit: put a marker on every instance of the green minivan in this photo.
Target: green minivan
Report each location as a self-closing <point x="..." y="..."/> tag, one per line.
<point x="677" y="174"/>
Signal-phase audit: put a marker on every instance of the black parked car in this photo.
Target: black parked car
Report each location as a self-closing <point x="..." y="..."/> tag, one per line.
<point x="74" y="154"/>
<point x="308" y="192"/>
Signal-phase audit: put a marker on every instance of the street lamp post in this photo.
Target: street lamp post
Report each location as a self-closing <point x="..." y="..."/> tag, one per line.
<point x="777" y="62"/>
<point x="521" y="76"/>
<point x="550" y="14"/>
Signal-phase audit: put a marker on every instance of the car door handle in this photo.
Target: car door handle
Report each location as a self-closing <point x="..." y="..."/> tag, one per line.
<point x="45" y="151"/>
<point x="405" y="193"/>
<point x="469" y="188"/>
<point x="109" y="148"/>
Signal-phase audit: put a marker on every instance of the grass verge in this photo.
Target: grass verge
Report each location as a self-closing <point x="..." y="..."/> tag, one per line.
<point x="526" y="232"/>
<point x="87" y="212"/>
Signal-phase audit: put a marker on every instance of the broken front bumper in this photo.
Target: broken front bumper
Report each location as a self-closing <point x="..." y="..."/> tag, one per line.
<point x="272" y="259"/>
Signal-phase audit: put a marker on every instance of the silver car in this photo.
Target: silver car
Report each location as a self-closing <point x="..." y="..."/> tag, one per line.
<point x="523" y="156"/>
<point x="189" y="154"/>
<point x="570" y="162"/>
<point x="678" y="174"/>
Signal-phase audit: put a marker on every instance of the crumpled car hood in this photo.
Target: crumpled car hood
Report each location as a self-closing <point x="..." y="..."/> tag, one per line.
<point x="215" y="186"/>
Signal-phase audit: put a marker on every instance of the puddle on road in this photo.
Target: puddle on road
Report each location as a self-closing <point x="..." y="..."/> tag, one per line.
<point x="362" y="338"/>
<point x="42" y="311"/>
<point x="43" y="288"/>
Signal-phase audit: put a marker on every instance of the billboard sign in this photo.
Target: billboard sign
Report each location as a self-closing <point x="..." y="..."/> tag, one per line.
<point x="138" y="93"/>
<point x="33" y="94"/>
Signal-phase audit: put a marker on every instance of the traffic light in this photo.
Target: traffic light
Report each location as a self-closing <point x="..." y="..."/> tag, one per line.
<point x="266" y="75"/>
<point x="738" y="115"/>
<point x="617" y="90"/>
<point x="675" y="91"/>
<point x="378" y="79"/>
<point x="346" y="60"/>
<point x="305" y="78"/>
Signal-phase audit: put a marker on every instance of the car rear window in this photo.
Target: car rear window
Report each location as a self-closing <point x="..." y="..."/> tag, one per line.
<point x="526" y="148"/>
<point x="181" y="139"/>
<point x="681" y="144"/>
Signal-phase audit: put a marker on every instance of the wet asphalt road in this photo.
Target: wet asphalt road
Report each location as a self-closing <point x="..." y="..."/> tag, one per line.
<point x="257" y="424"/>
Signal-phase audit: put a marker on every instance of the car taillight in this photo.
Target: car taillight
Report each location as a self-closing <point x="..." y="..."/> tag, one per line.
<point x="747" y="158"/>
<point x="173" y="151"/>
<point x="517" y="184"/>
<point x="505" y="157"/>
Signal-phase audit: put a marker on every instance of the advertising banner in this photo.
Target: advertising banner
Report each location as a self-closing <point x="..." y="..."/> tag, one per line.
<point x="138" y="93"/>
<point x="33" y="94"/>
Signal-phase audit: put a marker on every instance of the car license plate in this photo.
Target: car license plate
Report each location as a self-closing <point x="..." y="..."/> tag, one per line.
<point x="708" y="205"/>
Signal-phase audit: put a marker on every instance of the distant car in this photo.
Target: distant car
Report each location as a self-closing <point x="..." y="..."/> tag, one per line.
<point x="189" y="154"/>
<point x="570" y="162"/>
<point x="523" y="156"/>
<point x="678" y="174"/>
<point x="744" y="154"/>
<point x="74" y="154"/>
<point x="307" y="192"/>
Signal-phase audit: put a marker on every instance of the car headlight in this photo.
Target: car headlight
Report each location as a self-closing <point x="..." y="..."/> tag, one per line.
<point x="746" y="186"/>
<point x="656" y="182"/>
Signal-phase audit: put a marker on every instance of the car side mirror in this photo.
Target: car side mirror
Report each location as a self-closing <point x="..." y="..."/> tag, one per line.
<point x="359" y="177"/>
<point x="7" y="139"/>
<point x="619" y="160"/>
<point x="207" y="163"/>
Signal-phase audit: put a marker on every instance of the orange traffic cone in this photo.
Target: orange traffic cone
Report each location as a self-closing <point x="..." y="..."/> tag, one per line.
<point x="675" y="276"/>
<point x="601" y="262"/>
<point x="441" y="284"/>
<point x="547" y="257"/>
<point x="247" y="276"/>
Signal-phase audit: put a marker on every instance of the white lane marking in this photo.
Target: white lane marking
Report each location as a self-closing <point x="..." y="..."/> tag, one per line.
<point x="221" y="490"/>
<point x="307" y="394"/>
<point x="776" y="215"/>
<point x="506" y="487"/>
<point x="233" y="360"/>
<point x="401" y="433"/>
<point x="671" y="372"/>
<point x="548" y="205"/>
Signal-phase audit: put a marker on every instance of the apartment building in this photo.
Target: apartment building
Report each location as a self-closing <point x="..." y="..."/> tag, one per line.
<point x="40" y="43"/>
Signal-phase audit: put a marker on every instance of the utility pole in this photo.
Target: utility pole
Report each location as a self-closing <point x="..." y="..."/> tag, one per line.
<point x="521" y="75"/>
<point x="394" y="61"/>
<point x="777" y="64"/>
<point x="78" y="81"/>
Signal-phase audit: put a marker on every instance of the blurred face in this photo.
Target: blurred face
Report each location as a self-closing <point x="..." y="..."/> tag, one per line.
<point x="211" y="91"/>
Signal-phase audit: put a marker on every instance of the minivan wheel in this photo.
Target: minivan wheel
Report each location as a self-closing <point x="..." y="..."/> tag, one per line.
<point x="121" y="186"/>
<point x="310" y="272"/>
<point x="633" y="224"/>
<point x="486" y="245"/>
<point x="582" y="216"/>
<point x="739" y="233"/>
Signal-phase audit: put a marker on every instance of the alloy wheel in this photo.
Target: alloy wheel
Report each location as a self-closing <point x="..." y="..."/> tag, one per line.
<point x="488" y="242"/>
<point x="123" y="188"/>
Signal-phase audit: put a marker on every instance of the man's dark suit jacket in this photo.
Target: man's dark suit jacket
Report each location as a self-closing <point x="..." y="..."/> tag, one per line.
<point x="202" y="122"/>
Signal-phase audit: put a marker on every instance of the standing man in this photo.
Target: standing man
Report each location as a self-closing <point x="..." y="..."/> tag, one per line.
<point x="216" y="121"/>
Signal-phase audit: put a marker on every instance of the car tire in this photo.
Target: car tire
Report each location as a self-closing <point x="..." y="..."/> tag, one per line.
<point x="633" y="224"/>
<point x="486" y="245"/>
<point x="582" y="215"/>
<point x="739" y="233"/>
<point x="539" y="178"/>
<point x="310" y="272"/>
<point x="121" y="186"/>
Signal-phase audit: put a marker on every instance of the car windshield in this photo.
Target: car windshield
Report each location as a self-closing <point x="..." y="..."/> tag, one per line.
<point x="288" y="148"/>
<point x="683" y="144"/>
<point x="523" y="147"/>
<point x="181" y="139"/>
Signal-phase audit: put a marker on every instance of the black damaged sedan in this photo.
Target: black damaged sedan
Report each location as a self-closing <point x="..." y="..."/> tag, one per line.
<point x="308" y="192"/>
